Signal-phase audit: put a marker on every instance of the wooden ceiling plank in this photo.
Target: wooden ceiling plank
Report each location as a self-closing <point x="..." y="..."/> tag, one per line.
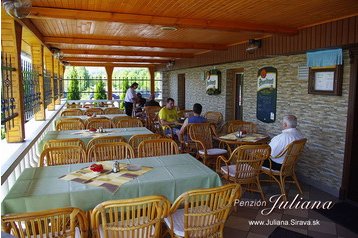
<point x="141" y="43"/>
<point x="128" y="53"/>
<point x="43" y="12"/>
<point x="89" y="64"/>
<point x="98" y="59"/>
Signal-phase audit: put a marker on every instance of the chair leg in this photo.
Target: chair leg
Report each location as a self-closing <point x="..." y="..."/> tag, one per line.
<point x="282" y="187"/>
<point x="260" y="189"/>
<point x="297" y="183"/>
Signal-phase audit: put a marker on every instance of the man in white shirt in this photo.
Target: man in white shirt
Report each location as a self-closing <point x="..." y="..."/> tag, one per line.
<point x="130" y="98"/>
<point x="279" y="142"/>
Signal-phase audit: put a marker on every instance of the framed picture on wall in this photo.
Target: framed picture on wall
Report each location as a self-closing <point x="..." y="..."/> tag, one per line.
<point x="326" y="81"/>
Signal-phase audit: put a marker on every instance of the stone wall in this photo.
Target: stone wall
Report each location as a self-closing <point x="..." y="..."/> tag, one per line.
<point x="322" y="119"/>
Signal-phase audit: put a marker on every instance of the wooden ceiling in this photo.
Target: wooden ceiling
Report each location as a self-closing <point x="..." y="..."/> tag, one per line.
<point x="129" y="32"/>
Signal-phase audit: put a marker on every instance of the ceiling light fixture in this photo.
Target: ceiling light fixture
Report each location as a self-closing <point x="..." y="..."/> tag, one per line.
<point x="253" y="45"/>
<point x="168" y="28"/>
<point x="57" y="53"/>
<point x="17" y="8"/>
<point x="170" y="64"/>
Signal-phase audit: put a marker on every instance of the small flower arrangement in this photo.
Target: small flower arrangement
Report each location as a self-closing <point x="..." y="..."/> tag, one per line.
<point x="96" y="168"/>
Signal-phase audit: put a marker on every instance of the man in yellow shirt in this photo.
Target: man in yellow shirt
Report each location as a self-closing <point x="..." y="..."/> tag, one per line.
<point x="168" y="116"/>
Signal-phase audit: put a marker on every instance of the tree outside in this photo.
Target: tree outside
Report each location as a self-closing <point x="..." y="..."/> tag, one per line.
<point x="100" y="92"/>
<point x="73" y="87"/>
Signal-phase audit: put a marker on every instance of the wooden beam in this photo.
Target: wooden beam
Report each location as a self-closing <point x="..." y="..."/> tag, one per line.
<point x="140" y="43"/>
<point x="76" y="14"/>
<point x="113" y="60"/>
<point x="90" y="64"/>
<point x="128" y="53"/>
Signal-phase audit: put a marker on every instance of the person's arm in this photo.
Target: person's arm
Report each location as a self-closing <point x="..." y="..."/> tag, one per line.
<point x="181" y="132"/>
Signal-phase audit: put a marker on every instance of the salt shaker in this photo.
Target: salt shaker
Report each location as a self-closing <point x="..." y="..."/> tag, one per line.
<point x="115" y="168"/>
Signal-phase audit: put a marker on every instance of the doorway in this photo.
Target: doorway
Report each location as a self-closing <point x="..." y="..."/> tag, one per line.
<point x="181" y="91"/>
<point x="239" y="80"/>
<point x="349" y="189"/>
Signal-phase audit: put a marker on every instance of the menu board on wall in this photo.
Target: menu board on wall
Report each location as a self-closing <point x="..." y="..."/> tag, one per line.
<point x="266" y="94"/>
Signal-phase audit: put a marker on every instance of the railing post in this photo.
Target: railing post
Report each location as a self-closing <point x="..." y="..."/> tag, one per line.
<point x="11" y="35"/>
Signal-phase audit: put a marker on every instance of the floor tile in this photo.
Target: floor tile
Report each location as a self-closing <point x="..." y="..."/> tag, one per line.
<point x="316" y="234"/>
<point x="344" y="232"/>
<point x="238" y="223"/>
<point x="325" y="227"/>
<point x="233" y="233"/>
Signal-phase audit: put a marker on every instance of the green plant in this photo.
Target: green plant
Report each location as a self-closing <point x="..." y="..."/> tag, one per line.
<point x="73" y="88"/>
<point x="100" y="92"/>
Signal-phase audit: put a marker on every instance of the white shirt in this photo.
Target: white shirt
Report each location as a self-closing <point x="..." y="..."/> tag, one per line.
<point x="130" y="94"/>
<point x="279" y="142"/>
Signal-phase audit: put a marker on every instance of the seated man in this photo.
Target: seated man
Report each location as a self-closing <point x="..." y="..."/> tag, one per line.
<point x="168" y="116"/>
<point x="151" y="101"/>
<point x="279" y="142"/>
<point x="196" y="118"/>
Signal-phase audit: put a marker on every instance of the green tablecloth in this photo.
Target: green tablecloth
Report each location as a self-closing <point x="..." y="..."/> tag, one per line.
<point x="86" y="136"/>
<point x="84" y="117"/>
<point x="40" y="188"/>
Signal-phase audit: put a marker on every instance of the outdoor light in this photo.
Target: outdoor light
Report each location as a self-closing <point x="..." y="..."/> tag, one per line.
<point x="65" y="63"/>
<point x="170" y="64"/>
<point x="253" y="45"/>
<point x="57" y="53"/>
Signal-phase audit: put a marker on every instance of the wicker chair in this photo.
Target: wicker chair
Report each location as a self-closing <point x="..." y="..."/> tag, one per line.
<point x="116" y="119"/>
<point x="63" y="155"/>
<point x="113" y="110"/>
<point x="130" y="122"/>
<point x="152" y="121"/>
<point x="291" y="152"/>
<point x="91" y="111"/>
<point x="216" y="118"/>
<point x="70" y="124"/>
<point x="157" y="147"/>
<point x="110" y="151"/>
<point x="72" y="112"/>
<point x="246" y="127"/>
<point x="135" y="218"/>
<point x="203" y="212"/>
<point x="99" y="122"/>
<point x="64" y="142"/>
<point x="105" y="139"/>
<point x="60" y="222"/>
<point x="135" y="140"/>
<point x="244" y="166"/>
<point x="202" y="135"/>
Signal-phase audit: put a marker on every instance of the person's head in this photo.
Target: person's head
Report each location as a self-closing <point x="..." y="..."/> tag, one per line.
<point x="170" y="103"/>
<point x="152" y="96"/>
<point x="197" y="108"/>
<point x="289" y="121"/>
<point x="134" y="85"/>
<point x="139" y="95"/>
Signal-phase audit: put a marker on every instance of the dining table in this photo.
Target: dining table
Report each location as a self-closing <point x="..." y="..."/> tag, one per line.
<point x="42" y="188"/>
<point x="86" y="135"/>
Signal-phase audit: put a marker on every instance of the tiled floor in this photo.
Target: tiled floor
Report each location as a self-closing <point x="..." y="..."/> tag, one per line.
<point x="237" y="224"/>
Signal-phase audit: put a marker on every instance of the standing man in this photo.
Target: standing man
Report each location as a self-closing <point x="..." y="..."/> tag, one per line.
<point x="279" y="142"/>
<point x="130" y="99"/>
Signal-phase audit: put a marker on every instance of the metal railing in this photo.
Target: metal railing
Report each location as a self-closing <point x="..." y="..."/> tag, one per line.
<point x="8" y="103"/>
<point x="48" y="90"/>
<point x="31" y="89"/>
